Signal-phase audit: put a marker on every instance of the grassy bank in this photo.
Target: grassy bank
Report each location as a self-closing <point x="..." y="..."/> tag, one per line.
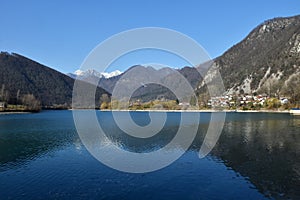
<point x="18" y="109"/>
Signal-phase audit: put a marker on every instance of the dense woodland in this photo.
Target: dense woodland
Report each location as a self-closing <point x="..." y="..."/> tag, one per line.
<point x="27" y="83"/>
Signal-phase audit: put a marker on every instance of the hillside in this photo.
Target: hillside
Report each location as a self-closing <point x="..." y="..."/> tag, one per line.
<point x="265" y="60"/>
<point x="142" y="73"/>
<point x="20" y="76"/>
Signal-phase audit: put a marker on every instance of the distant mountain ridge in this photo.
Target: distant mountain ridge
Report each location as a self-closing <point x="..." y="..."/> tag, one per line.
<point x="152" y="91"/>
<point x="82" y="74"/>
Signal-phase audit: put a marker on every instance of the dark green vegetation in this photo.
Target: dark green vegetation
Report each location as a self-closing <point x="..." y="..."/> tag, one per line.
<point x="27" y="83"/>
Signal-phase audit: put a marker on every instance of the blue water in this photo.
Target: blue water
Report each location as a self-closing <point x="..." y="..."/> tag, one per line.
<point x="256" y="157"/>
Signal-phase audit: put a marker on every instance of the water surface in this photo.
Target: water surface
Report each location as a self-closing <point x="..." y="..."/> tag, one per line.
<point x="256" y="157"/>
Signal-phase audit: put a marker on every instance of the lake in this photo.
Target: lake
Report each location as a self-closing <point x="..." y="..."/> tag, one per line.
<point x="256" y="157"/>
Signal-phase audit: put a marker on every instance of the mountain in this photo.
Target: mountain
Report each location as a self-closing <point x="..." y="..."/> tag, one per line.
<point x="171" y="77"/>
<point x="141" y="74"/>
<point x="104" y="80"/>
<point x="262" y="62"/>
<point x="20" y="76"/>
<point x="266" y="61"/>
<point x="85" y="74"/>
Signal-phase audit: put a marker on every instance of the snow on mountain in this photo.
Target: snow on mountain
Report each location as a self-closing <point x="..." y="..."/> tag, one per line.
<point x="92" y="72"/>
<point x="85" y="73"/>
<point x="111" y="74"/>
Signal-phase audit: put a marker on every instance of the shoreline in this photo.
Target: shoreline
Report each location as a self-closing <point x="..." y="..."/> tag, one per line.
<point x="199" y="111"/>
<point x="203" y="111"/>
<point x="13" y="112"/>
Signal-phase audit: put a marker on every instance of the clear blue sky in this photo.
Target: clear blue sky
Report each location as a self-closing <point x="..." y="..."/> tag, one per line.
<point x="60" y="34"/>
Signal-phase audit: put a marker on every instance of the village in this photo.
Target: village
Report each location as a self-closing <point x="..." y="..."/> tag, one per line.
<point x="249" y="102"/>
<point x="226" y="102"/>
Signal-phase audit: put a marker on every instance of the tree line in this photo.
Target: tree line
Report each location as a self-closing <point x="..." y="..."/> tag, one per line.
<point x="18" y="101"/>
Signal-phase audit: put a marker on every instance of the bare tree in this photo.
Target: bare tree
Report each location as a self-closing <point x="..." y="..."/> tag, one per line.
<point x="203" y="99"/>
<point x="104" y="98"/>
<point x="6" y="96"/>
<point x="2" y="92"/>
<point x="18" y="96"/>
<point x="104" y="101"/>
<point x="292" y="88"/>
<point x="31" y="103"/>
<point x="272" y="88"/>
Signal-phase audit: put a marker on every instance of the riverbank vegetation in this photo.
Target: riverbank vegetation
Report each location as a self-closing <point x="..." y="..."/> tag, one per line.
<point x="247" y="102"/>
<point x="18" y="102"/>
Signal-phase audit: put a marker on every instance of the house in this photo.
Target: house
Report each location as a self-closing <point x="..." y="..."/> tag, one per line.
<point x="2" y="105"/>
<point x="184" y="104"/>
<point x="284" y="100"/>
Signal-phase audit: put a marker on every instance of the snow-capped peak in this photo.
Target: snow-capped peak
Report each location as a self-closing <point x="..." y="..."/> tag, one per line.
<point x="111" y="74"/>
<point x="88" y="72"/>
<point x="92" y="72"/>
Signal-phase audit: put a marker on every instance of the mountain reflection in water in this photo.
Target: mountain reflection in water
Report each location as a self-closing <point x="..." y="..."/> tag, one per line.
<point x="262" y="148"/>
